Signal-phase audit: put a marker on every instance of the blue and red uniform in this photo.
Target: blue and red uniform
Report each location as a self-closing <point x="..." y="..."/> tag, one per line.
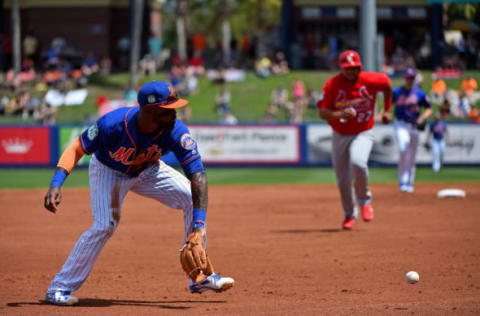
<point x="408" y="103"/>
<point x="408" y="110"/>
<point x="438" y="129"/>
<point x="116" y="142"/>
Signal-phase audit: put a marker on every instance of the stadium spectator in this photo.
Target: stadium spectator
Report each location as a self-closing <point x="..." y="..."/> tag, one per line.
<point x="196" y="64"/>
<point x="470" y="86"/>
<point x="30" y="46"/>
<point x="270" y="115"/>
<point x="228" y="118"/>
<point x="198" y="42"/>
<point x="313" y="96"/>
<point x="32" y="105"/>
<point x="280" y="64"/>
<point x="299" y="102"/>
<point x="445" y="109"/>
<point x="262" y="67"/>
<point x="223" y="100"/>
<point x="13" y="81"/>
<point x="461" y="108"/>
<point x="298" y="91"/>
<point x="27" y="72"/>
<point x="176" y="76"/>
<point x="191" y="83"/>
<point x="78" y="77"/>
<point x="47" y="113"/>
<point x="439" y="90"/>
<point x="185" y="113"/>
<point x="105" y="66"/>
<point x="103" y="106"/>
<point x="279" y="98"/>
<point x="90" y="64"/>
<point x="4" y="105"/>
<point x="148" y="65"/>
<point x="418" y="81"/>
<point x="17" y="104"/>
<point x="474" y="116"/>
<point x="130" y="97"/>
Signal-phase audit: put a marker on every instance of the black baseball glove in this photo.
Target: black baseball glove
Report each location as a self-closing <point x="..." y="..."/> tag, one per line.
<point x="421" y="126"/>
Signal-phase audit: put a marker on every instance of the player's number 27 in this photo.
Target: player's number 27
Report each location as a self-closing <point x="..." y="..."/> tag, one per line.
<point x="364" y="116"/>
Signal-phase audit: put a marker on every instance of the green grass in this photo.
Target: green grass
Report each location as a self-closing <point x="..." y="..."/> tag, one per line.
<point x="40" y="178"/>
<point x="249" y="98"/>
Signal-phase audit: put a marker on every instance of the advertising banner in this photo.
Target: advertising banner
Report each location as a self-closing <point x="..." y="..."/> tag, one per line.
<point x="24" y="145"/>
<point x="248" y="144"/>
<point x="67" y="135"/>
<point x="463" y="147"/>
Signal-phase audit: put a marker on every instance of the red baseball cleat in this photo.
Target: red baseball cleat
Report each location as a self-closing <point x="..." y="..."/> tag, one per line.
<point x="348" y="223"/>
<point x="367" y="212"/>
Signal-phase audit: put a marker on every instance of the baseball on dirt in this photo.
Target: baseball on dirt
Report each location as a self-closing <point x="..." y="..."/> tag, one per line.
<point x="412" y="277"/>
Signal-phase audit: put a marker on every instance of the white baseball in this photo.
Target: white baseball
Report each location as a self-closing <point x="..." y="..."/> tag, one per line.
<point x="412" y="277"/>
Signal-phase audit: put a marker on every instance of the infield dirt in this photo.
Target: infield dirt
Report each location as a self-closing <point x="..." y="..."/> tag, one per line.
<point x="281" y="243"/>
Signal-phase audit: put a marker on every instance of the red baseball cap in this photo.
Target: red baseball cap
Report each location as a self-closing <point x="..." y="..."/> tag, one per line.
<point x="350" y="58"/>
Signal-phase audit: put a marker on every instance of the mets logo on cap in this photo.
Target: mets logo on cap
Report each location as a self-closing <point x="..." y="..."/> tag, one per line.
<point x="187" y="142"/>
<point x="151" y="98"/>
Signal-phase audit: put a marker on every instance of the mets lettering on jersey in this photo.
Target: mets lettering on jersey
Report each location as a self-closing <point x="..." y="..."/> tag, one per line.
<point x="123" y="155"/>
<point x="340" y="93"/>
<point x="115" y="141"/>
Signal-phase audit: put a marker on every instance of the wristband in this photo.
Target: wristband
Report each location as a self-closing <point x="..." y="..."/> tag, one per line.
<point x="58" y="178"/>
<point x="199" y="217"/>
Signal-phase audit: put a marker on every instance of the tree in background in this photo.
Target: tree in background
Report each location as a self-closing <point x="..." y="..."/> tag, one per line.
<point x="211" y="18"/>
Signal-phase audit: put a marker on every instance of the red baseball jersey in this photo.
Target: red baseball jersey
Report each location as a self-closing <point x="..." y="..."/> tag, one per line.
<point x="340" y="93"/>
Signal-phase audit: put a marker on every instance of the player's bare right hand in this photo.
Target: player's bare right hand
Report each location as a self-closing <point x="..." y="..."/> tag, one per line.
<point x="53" y="199"/>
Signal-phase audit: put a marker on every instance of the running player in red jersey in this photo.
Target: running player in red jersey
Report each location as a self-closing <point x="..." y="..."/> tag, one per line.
<point x="349" y="106"/>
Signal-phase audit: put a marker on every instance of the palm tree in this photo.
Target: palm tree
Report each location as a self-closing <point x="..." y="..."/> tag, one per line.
<point x="137" y="7"/>
<point x="181" y="37"/>
<point x="226" y="31"/>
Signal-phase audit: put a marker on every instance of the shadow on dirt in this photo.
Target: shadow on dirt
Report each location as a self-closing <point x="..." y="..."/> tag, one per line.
<point x="94" y="302"/>
<point x="307" y="231"/>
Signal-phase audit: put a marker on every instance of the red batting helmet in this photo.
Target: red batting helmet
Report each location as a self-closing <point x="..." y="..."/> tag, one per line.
<point x="350" y="58"/>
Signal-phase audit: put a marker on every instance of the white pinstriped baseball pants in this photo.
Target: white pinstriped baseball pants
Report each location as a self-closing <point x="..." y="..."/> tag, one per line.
<point x="108" y="188"/>
<point x="407" y="140"/>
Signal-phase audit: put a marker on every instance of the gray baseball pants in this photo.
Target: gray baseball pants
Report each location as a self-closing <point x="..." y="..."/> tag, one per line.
<point x="350" y="157"/>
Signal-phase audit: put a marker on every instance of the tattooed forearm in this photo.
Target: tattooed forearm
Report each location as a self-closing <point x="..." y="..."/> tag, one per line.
<point x="199" y="190"/>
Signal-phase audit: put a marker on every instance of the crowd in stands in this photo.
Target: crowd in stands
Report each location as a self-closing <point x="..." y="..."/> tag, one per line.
<point x="60" y="69"/>
<point x="456" y="104"/>
<point x="264" y="67"/>
<point x="283" y="107"/>
<point x="43" y="75"/>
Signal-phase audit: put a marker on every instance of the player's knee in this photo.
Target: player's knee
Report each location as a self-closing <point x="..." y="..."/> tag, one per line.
<point x="104" y="229"/>
<point x="359" y="164"/>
